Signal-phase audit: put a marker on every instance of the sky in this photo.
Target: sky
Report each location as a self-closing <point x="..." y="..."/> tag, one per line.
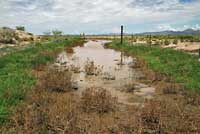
<point x="100" y="16"/>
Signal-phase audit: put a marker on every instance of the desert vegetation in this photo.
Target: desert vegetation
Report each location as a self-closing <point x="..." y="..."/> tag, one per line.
<point x="38" y="97"/>
<point x="181" y="66"/>
<point x="16" y="68"/>
<point x="91" y="68"/>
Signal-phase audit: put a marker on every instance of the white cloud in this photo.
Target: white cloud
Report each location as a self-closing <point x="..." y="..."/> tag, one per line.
<point x="95" y="15"/>
<point x="165" y="27"/>
<point x="194" y="27"/>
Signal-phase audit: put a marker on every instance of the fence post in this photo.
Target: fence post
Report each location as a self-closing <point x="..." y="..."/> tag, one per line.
<point x="122" y="32"/>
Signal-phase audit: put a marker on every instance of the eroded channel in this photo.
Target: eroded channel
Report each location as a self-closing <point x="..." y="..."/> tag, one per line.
<point x="94" y="66"/>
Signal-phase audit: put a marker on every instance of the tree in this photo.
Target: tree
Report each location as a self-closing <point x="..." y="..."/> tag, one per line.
<point x="21" y="28"/>
<point x="57" y="33"/>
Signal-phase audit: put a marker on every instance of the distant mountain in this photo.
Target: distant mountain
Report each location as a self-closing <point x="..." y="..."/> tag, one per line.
<point x="187" y="31"/>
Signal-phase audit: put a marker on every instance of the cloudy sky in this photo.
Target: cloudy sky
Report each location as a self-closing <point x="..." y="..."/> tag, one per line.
<point x="100" y="16"/>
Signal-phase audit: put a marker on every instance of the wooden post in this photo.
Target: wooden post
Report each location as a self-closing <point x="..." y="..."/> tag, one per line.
<point x="132" y="38"/>
<point x="122" y="32"/>
<point x="150" y="40"/>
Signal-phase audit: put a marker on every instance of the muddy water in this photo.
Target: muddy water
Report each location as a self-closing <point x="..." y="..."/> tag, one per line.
<point x="114" y="72"/>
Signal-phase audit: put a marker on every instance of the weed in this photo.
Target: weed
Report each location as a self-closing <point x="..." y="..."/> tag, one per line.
<point x="90" y="68"/>
<point x="171" y="89"/>
<point x="69" y="50"/>
<point x="57" y="81"/>
<point x="75" y="69"/>
<point x="41" y="60"/>
<point x="130" y="87"/>
<point x="97" y="100"/>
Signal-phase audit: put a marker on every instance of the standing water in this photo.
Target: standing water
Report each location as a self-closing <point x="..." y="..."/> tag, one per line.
<point x="106" y="68"/>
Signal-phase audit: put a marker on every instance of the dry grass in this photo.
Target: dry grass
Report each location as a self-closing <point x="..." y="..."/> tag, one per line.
<point x="91" y="68"/>
<point x="57" y="81"/>
<point x="54" y="113"/>
<point x="171" y="89"/>
<point x="69" y="50"/>
<point x="130" y="87"/>
<point x="192" y="98"/>
<point x="75" y="69"/>
<point x="97" y="100"/>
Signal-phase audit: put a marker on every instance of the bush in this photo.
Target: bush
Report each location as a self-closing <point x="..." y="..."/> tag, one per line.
<point x="21" y="28"/>
<point x="166" y="42"/>
<point x="175" y="42"/>
<point x="41" y="60"/>
<point x="90" y="68"/>
<point x="97" y="100"/>
<point x="58" y="81"/>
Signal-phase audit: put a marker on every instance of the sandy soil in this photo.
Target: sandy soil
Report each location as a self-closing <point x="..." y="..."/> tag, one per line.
<point x="186" y="46"/>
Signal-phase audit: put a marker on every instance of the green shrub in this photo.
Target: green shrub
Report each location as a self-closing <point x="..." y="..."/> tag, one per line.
<point x="21" y="28"/>
<point x="175" y="41"/>
<point x="166" y="42"/>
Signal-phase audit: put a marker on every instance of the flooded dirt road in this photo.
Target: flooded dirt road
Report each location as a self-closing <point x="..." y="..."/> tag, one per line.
<point x="95" y="66"/>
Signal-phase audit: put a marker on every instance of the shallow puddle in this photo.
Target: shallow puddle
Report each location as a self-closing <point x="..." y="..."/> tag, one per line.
<point x="112" y="71"/>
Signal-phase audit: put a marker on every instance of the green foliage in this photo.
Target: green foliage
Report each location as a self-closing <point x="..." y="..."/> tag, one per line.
<point x="175" y="41"/>
<point x="57" y="33"/>
<point x="166" y="42"/>
<point x="21" y="28"/>
<point x="15" y="72"/>
<point x="184" y="68"/>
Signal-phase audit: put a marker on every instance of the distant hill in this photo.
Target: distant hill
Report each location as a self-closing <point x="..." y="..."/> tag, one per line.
<point x="187" y="31"/>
